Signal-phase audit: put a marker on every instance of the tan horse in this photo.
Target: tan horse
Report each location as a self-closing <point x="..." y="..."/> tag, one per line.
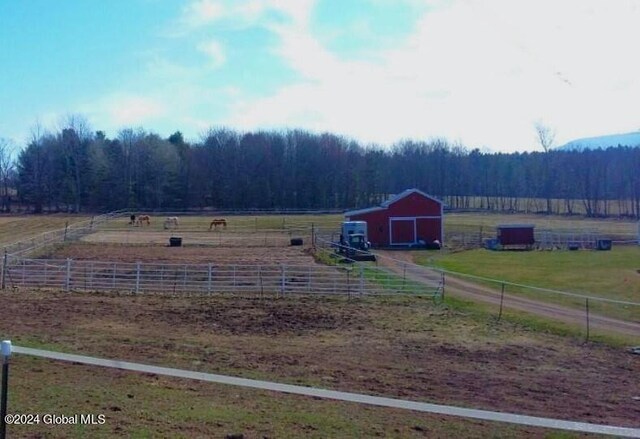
<point x="143" y="219"/>
<point x="218" y="222"/>
<point x="171" y="222"/>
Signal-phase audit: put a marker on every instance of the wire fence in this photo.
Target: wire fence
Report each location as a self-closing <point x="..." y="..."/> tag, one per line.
<point x="545" y="239"/>
<point x="401" y="277"/>
<point x="596" y="314"/>
<point x="20" y="271"/>
<point x="71" y="232"/>
<point x="231" y="223"/>
<point x="339" y="275"/>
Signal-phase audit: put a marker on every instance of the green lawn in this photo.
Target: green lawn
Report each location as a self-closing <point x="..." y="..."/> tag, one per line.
<point x="487" y="222"/>
<point x="15" y="228"/>
<point x="613" y="274"/>
<point x="246" y="223"/>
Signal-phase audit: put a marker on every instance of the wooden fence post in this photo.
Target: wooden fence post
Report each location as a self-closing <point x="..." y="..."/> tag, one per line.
<point x="4" y="269"/>
<point x="66" y="226"/>
<point x="261" y="286"/>
<point x="361" y="280"/>
<point x="67" y="285"/>
<point x="283" y="284"/>
<point x="209" y="269"/>
<point x="137" y="277"/>
<point x="501" y="301"/>
<point x="91" y="276"/>
<point x="587" y="312"/>
<point x="404" y="276"/>
<point x="184" y="279"/>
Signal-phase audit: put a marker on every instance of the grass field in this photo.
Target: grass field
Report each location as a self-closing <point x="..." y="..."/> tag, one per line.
<point x="488" y="222"/>
<point x="405" y="347"/>
<point x="17" y="228"/>
<point x="558" y="206"/>
<point x="246" y="223"/>
<point x="14" y="228"/>
<point x="613" y="274"/>
<point x="408" y="347"/>
<point x="147" y="406"/>
<point x="610" y="274"/>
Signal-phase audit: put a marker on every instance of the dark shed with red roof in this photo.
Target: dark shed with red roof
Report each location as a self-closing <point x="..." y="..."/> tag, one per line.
<point x="516" y="235"/>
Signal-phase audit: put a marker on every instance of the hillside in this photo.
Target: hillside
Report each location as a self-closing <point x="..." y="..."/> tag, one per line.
<point x="628" y="139"/>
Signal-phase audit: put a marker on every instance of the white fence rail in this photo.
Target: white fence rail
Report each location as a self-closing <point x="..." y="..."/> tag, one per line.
<point x="71" y="232"/>
<point x="82" y="275"/>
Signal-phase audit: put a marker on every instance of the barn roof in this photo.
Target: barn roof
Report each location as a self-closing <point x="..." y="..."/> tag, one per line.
<point x="363" y="211"/>
<point x="516" y="226"/>
<point x="390" y="201"/>
<point x="406" y="193"/>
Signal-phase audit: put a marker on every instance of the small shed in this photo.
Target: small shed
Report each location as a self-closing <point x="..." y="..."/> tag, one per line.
<point x="406" y="219"/>
<point x="512" y="235"/>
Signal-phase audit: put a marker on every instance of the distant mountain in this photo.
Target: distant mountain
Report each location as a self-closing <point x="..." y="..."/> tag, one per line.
<point x="628" y="139"/>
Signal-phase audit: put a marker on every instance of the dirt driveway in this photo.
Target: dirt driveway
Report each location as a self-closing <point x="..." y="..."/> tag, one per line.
<point x="469" y="290"/>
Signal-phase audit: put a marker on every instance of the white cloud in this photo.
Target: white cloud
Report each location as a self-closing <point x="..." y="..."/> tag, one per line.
<point x="479" y="71"/>
<point x="168" y="70"/>
<point x="214" y="51"/>
<point x="202" y="12"/>
<point x="124" y="110"/>
<point x="245" y="13"/>
<point x="133" y="110"/>
<point x="476" y="71"/>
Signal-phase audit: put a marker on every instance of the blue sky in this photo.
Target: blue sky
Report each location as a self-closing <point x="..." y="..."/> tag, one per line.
<point x="478" y="72"/>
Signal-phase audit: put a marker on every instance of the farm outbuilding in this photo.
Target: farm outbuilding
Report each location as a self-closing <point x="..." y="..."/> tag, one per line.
<point x="409" y="218"/>
<point x="520" y="235"/>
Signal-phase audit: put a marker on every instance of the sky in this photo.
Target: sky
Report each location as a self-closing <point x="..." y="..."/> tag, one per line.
<point x="481" y="73"/>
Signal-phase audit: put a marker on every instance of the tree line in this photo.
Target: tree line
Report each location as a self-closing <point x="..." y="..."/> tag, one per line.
<point x="78" y="170"/>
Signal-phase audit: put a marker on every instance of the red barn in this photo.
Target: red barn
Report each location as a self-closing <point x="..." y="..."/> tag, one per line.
<point x="405" y="219"/>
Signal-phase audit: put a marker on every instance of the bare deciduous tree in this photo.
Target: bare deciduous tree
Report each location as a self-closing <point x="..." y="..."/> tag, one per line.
<point x="546" y="137"/>
<point x="7" y="169"/>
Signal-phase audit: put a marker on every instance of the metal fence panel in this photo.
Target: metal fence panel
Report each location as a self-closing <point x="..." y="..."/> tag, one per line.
<point x="143" y="278"/>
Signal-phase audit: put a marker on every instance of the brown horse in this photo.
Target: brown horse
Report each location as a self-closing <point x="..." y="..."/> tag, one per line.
<point x="143" y="219"/>
<point x="218" y="222"/>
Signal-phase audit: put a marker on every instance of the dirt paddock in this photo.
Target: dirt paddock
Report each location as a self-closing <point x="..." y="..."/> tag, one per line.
<point x="210" y="238"/>
<point x="187" y="254"/>
<point x="404" y="348"/>
<point x="397" y="347"/>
